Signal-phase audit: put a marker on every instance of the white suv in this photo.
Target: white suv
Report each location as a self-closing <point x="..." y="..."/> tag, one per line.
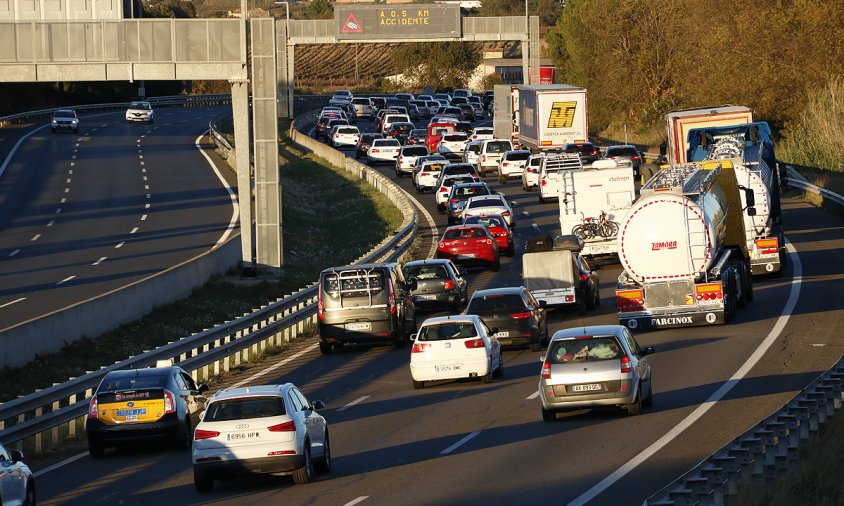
<point x="490" y="155"/>
<point x="260" y="429"/>
<point x="140" y="111"/>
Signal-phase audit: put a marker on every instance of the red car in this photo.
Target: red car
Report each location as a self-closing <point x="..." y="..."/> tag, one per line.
<point x="469" y="245"/>
<point x="497" y="226"/>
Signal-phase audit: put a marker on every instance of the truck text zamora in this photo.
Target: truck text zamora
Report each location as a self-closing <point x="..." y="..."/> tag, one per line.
<point x="683" y="250"/>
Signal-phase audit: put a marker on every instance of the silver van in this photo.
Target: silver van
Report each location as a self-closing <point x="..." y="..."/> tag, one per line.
<point x="364" y="304"/>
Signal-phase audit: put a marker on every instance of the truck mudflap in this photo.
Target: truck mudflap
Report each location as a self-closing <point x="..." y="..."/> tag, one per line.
<point x="639" y="321"/>
<point x="765" y="256"/>
<point x="762" y="266"/>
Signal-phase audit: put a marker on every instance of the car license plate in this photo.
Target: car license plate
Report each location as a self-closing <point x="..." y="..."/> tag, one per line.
<point x="240" y="436"/>
<point x="426" y="297"/>
<point x="131" y="412"/>
<point x="502" y="334"/>
<point x="358" y="326"/>
<point x="465" y="256"/>
<point x="592" y="387"/>
<point x="448" y="368"/>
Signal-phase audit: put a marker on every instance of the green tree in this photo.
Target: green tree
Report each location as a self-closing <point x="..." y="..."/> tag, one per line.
<point x="440" y="65"/>
<point x="320" y="9"/>
<point x="170" y="9"/>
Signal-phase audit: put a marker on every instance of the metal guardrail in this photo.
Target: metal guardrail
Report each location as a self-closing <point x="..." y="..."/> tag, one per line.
<point x="799" y="182"/>
<point x="57" y="411"/>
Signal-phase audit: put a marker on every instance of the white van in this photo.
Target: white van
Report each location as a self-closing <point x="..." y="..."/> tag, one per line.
<point x="389" y="119"/>
<point x="490" y="155"/>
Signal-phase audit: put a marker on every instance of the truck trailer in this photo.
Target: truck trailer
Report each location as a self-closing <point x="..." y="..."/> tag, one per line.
<point x="678" y="124"/>
<point x="551" y="116"/>
<point x="505" y="118"/>
<point x="683" y="251"/>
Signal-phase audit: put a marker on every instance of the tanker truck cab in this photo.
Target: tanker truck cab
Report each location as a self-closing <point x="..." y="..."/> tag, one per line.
<point x="683" y="251"/>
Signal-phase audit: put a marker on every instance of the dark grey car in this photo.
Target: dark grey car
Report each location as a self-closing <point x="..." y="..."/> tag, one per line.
<point x="625" y="155"/>
<point x="518" y="317"/>
<point x="364" y="304"/>
<point x="439" y="284"/>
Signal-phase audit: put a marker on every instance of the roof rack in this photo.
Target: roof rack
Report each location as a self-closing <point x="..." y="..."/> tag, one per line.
<point x="685" y="179"/>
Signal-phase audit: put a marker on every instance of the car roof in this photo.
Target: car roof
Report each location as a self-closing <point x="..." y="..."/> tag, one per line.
<point x="620" y="146"/>
<point x="490" y="196"/>
<point x="586" y="331"/>
<point x="453" y="318"/>
<point x="251" y="391"/>
<point x="504" y="290"/>
<point x="429" y="261"/>
<point x="361" y="266"/>
<point x="463" y="226"/>
<point x="150" y="371"/>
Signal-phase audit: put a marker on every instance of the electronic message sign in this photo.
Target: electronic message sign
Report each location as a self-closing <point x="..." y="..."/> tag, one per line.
<point x="397" y="21"/>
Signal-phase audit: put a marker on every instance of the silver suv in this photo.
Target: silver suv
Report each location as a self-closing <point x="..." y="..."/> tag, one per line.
<point x="365" y="304"/>
<point x="65" y="119"/>
<point x="590" y="367"/>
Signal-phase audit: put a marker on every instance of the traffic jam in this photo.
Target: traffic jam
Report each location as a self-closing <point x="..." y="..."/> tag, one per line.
<point x="716" y="203"/>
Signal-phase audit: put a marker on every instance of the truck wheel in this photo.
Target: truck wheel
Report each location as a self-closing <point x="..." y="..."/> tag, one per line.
<point x="748" y="283"/>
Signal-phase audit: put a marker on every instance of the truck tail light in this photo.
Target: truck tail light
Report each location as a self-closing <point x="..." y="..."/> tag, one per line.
<point x="767" y="246"/>
<point x="630" y="300"/>
<point x="709" y="291"/>
<point x="625" y="364"/>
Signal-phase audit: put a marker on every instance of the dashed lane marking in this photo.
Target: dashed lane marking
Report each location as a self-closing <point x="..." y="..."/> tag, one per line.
<point x="12" y="302"/>
<point x="120" y="245"/>
<point x="101" y="260"/>
<point x="356" y="401"/>
<point x="65" y="280"/>
<point x="532" y="396"/>
<point x="460" y="443"/>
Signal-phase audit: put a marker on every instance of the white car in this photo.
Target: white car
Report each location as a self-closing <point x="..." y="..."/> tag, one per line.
<point x="454" y="347"/>
<point x="481" y="134"/>
<point x="472" y="152"/>
<point x="364" y="107"/>
<point x="389" y="119"/>
<point x="64" y="119"/>
<point x="512" y="164"/>
<point x="260" y="429"/>
<point x="407" y="158"/>
<point x="344" y="135"/>
<point x="530" y="176"/>
<point x="427" y="174"/>
<point x="452" y="144"/>
<point x="491" y="152"/>
<point x="383" y="150"/>
<point x="443" y="189"/>
<point x="550" y="172"/>
<point x="484" y="205"/>
<point x="17" y="485"/>
<point x="140" y="111"/>
<point x="443" y="119"/>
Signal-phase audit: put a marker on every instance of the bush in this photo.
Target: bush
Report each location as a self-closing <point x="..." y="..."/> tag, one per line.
<point x="816" y="138"/>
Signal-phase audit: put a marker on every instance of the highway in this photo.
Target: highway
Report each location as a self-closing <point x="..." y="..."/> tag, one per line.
<point x="469" y="443"/>
<point x="83" y="214"/>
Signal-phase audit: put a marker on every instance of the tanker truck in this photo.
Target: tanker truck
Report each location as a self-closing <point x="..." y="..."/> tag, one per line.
<point x="763" y="231"/>
<point x="683" y="251"/>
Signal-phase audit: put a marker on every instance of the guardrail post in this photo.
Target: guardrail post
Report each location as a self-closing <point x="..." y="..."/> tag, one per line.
<point x="71" y="425"/>
<point x="37" y="438"/>
<point x="54" y="436"/>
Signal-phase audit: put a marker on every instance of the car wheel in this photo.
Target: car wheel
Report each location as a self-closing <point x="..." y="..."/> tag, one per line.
<point x="305" y="473"/>
<point x="548" y="415"/>
<point x="590" y="302"/>
<point x="499" y="373"/>
<point x="29" y="497"/>
<point x="524" y="187"/>
<point x="95" y="448"/>
<point x="496" y="265"/>
<point x="635" y="407"/>
<point x="418" y="385"/>
<point x="324" y="464"/>
<point x="649" y="400"/>
<point x="500" y="179"/>
<point x="325" y="348"/>
<point x="202" y="482"/>
<point x="537" y="346"/>
<point x="184" y="439"/>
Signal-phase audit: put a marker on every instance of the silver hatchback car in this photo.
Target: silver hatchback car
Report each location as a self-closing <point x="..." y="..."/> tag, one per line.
<point x="599" y="366"/>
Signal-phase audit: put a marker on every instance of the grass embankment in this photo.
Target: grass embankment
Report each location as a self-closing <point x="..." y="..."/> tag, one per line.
<point x="329" y="218"/>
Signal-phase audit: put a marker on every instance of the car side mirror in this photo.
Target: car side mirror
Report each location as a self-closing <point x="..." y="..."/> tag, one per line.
<point x="650" y="350"/>
<point x="413" y="337"/>
<point x="513" y="203"/>
<point x="317" y="405"/>
<point x="751" y="211"/>
<point x="542" y="359"/>
<point x="203" y="388"/>
<point x="16" y="456"/>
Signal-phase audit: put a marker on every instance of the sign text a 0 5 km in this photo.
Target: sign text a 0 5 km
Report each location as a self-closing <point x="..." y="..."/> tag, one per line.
<point x="403" y="21"/>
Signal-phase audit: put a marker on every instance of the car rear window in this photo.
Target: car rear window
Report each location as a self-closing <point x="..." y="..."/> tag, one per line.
<point x="622" y="152"/>
<point x="244" y="408"/>
<point x="134" y="382"/>
<point x="386" y="142"/>
<point x="580" y="148"/>
<point x="456" y="137"/>
<point x="456" y="180"/>
<point x="518" y="156"/>
<point x="414" y="151"/>
<point x="347" y="130"/>
<point x="446" y="331"/>
<point x="593" y="349"/>
<point x="497" y="304"/>
<point x="471" y="190"/>
<point x="498" y="147"/>
<point x="352" y="282"/>
<point x="487" y="221"/>
<point x="464" y="233"/>
<point x="486" y="202"/>
<point x="425" y="272"/>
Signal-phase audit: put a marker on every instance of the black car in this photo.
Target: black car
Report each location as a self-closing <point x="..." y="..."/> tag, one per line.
<point x="400" y="130"/>
<point x="364" y="143"/>
<point x="465" y="127"/>
<point x="468" y="111"/>
<point x="487" y="100"/>
<point x="518" y="317"/>
<point x="417" y="136"/>
<point x="161" y="403"/>
<point x="439" y="284"/>
<point x="588" y="281"/>
<point x="460" y="193"/>
<point x="589" y="152"/>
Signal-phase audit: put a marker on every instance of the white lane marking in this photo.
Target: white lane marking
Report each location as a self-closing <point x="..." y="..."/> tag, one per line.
<point x="65" y="280"/>
<point x="59" y="464"/>
<point x="460" y="443"/>
<point x="139" y="151"/>
<point x="532" y="396"/>
<point x="149" y="196"/>
<point x="68" y="181"/>
<point x="142" y="164"/>
<point x="536" y="226"/>
<point x="139" y="140"/>
<point x="275" y="366"/>
<point x="13" y="302"/>
<point x="70" y="172"/>
<point x="145" y="178"/>
<point x="146" y="206"/>
<point x="14" y="150"/>
<point x="50" y="224"/>
<point x="59" y="209"/>
<point x="101" y="260"/>
<point x="146" y="187"/>
<point x="35" y="237"/>
<point x="134" y="230"/>
<point x="356" y="401"/>
<point x="140" y="156"/>
<point x="143" y="217"/>
<point x="356" y="501"/>
<point x="232" y="196"/>
<point x="73" y="157"/>
<point x="72" y="164"/>
<point x="77" y="144"/>
<point x="120" y="245"/>
<point x="14" y="253"/>
<point x="67" y="190"/>
<point x="63" y="200"/>
<point x="709" y="403"/>
<point x="526" y="213"/>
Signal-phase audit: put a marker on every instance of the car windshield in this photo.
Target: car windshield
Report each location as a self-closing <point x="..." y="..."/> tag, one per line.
<point x="464" y="233"/>
<point x="243" y="408"/>
<point x="425" y="272"/>
<point x="496" y="305"/>
<point x="140" y="105"/>
<point x="584" y="350"/>
<point x="498" y="147"/>
<point x="445" y="331"/>
<point x="64" y="114"/>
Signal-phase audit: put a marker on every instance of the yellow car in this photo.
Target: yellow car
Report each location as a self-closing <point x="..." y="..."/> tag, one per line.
<point x="161" y="403"/>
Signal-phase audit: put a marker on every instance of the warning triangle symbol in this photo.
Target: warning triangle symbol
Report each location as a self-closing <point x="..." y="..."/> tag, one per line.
<point x="351" y="25"/>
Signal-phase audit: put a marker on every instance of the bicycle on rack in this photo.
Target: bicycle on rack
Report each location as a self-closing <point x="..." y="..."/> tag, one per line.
<point x="595" y="227"/>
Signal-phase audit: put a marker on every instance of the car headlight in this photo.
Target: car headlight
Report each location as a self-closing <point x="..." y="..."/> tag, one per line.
<point x="55" y="122"/>
<point x="74" y="121"/>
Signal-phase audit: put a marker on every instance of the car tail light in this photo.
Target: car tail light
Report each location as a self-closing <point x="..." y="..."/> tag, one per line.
<point x="569" y="298"/>
<point x="281" y="452"/>
<point x="584" y="277"/>
<point x="488" y="241"/>
<point x="635" y="158"/>
<point x="283" y="427"/>
<point x="546" y="370"/>
<point x="375" y="150"/>
<point x="420" y="347"/>
<point x="320" y="305"/>
<point x="625" y="364"/>
<point x="448" y="285"/>
<point x="474" y="343"/>
<point x="505" y="213"/>
<point x="443" y="189"/>
<point x="544" y="182"/>
<point x="392" y="300"/>
<point x="441" y="245"/>
<point x="521" y="316"/>
<point x="483" y="158"/>
<point x="169" y="402"/>
<point x="454" y="200"/>
<point x="92" y="409"/>
<point x="204" y="434"/>
<point x="505" y="164"/>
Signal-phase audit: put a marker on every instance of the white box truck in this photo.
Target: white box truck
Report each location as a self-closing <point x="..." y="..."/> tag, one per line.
<point x="678" y="124"/>
<point x="505" y="118"/>
<point x="551" y="116"/>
